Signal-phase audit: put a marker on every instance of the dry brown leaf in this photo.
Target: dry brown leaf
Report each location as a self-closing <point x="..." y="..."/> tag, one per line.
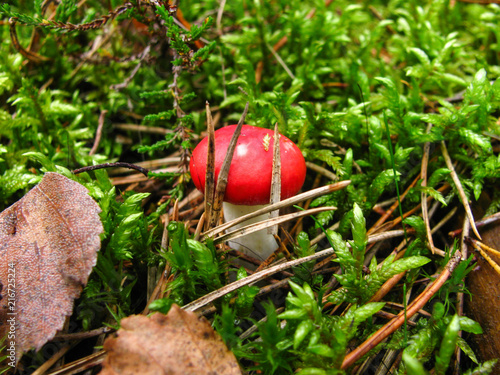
<point x="484" y="284"/>
<point x="48" y="245"/>
<point x="176" y="343"/>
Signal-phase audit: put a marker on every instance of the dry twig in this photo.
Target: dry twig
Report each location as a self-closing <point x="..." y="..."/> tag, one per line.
<point x="460" y="190"/>
<point x="397" y="322"/>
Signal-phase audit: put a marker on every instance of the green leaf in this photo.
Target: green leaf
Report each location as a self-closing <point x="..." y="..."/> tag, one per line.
<point x="448" y="345"/>
<point x="422" y="57"/>
<point x="47" y="164"/>
<point x="366" y="311"/>
<point x="477" y="87"/>
<point x="380" y="183"/>
<point x="433" y="193"/>
<point x="293" y="314"/>
<point x="344" y="256"/>
<point x="476" y="141"/>
<point x="483" y="369"/>
<point x="413" y="365"/>
<point x="391" y="269"/>
<point x="333" y="161"/>
<point x="469" y="325"/>
<point x="300" y="291"/>
<point x="462" y="344"/>
<point x="451" y="78"/>
<point x="321" y="350"/>
<point x="162" y="305"/>
<point x="6" y="83"/>
<point x="359" y="233"/>
<point x="392" y="96"/>
<point x="312" y="371"/>
<point x="437" y="176"/>
<point x="301" y="332"/>
<point x="417" y="223"/>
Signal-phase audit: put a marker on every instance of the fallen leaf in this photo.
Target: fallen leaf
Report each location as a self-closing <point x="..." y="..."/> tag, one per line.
<point x="176" y="343"/>
<point x="484" y="307"/>
<point x="48" y="245"/>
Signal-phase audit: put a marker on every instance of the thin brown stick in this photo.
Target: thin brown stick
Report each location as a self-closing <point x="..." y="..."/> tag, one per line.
<point x="389" y="212"/>
<point x="98" y="135"/>
<point x="81" y="365"/>
<point x="137" y="178"/>
<point x="398" y="219"/>
<point x="148" y="164"/>
<point x="212" y="296"/>
<point x="444" y="220"/>
<point x="388" y="316"/>
<point x="323" y="171"/>
<point x="201" y="222"/>
<point x="82" y="335"/>
<point x="284" y="203"/>
<point x="484" y="221"/>
<point x="146" y="129"/>
<point x="460" y="295"/>
<point x="159" y="287"/>
<point x="423" y="173"/>
<point x="210" y="171"/>
<point x="298" y="226"/>
<point x="143" y="55"/>
<point x="399" y="306"/>
<point x="144" y="171"/>
<point x="482" y="248"/>
<point x="397" y="322"/>
<point x="30" y="55"/>
<point x="52" y="360"/>
<point x="377" y="14"/>
<point x="459" y="187"/>
<point x="276" y="179"/>
<point x="224" y="171"/>
<point x="267" y="223"/>
<point x="218" y="21"/>
<point x="280" y="60"/>
<point x="387" y="287"/>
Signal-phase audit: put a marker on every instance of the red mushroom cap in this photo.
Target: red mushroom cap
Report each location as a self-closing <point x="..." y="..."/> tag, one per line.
<point x="249" y="180"/>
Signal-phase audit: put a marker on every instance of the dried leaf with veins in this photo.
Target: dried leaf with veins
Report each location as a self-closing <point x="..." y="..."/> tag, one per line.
<point x="176" y="343"/>
<point x="48" y="245"/>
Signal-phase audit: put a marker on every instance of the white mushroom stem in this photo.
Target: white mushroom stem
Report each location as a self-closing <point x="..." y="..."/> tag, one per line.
<point x="258" y="244"/>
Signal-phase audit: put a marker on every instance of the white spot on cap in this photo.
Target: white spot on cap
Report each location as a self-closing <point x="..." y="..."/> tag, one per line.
<point x="241" y="150"/>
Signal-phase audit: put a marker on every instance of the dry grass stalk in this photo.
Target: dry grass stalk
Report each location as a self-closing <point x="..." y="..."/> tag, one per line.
<point x="276" y="179"/>
<point x="210" y="172"/>
<point x="459" y="187"/>
<point x="257" y="276"/>
<point x="268" y="223"/>
<point x="224" y="172"/>
<point x="323" y="171"/>
<point x="397" y="322"/>
<point x="377" y="226"/>
<point x="483" y="249"/>
<point x="423" y="174"/>
<point x="81" y="365"/>
<point x="284" y="203"/>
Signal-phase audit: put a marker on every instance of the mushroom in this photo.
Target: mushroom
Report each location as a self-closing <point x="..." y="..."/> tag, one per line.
<point x="249" y="181"/>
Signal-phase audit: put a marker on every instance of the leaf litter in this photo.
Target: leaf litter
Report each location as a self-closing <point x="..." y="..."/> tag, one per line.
<point x="177" y="343"/>
<point x="48" y="246"/>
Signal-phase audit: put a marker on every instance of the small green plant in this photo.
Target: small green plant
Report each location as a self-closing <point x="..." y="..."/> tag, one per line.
<point x="356" y="286"/>
<point x="324" y="339"/>
<point x="438" y="335"/>
<point x="367" y="90"/>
